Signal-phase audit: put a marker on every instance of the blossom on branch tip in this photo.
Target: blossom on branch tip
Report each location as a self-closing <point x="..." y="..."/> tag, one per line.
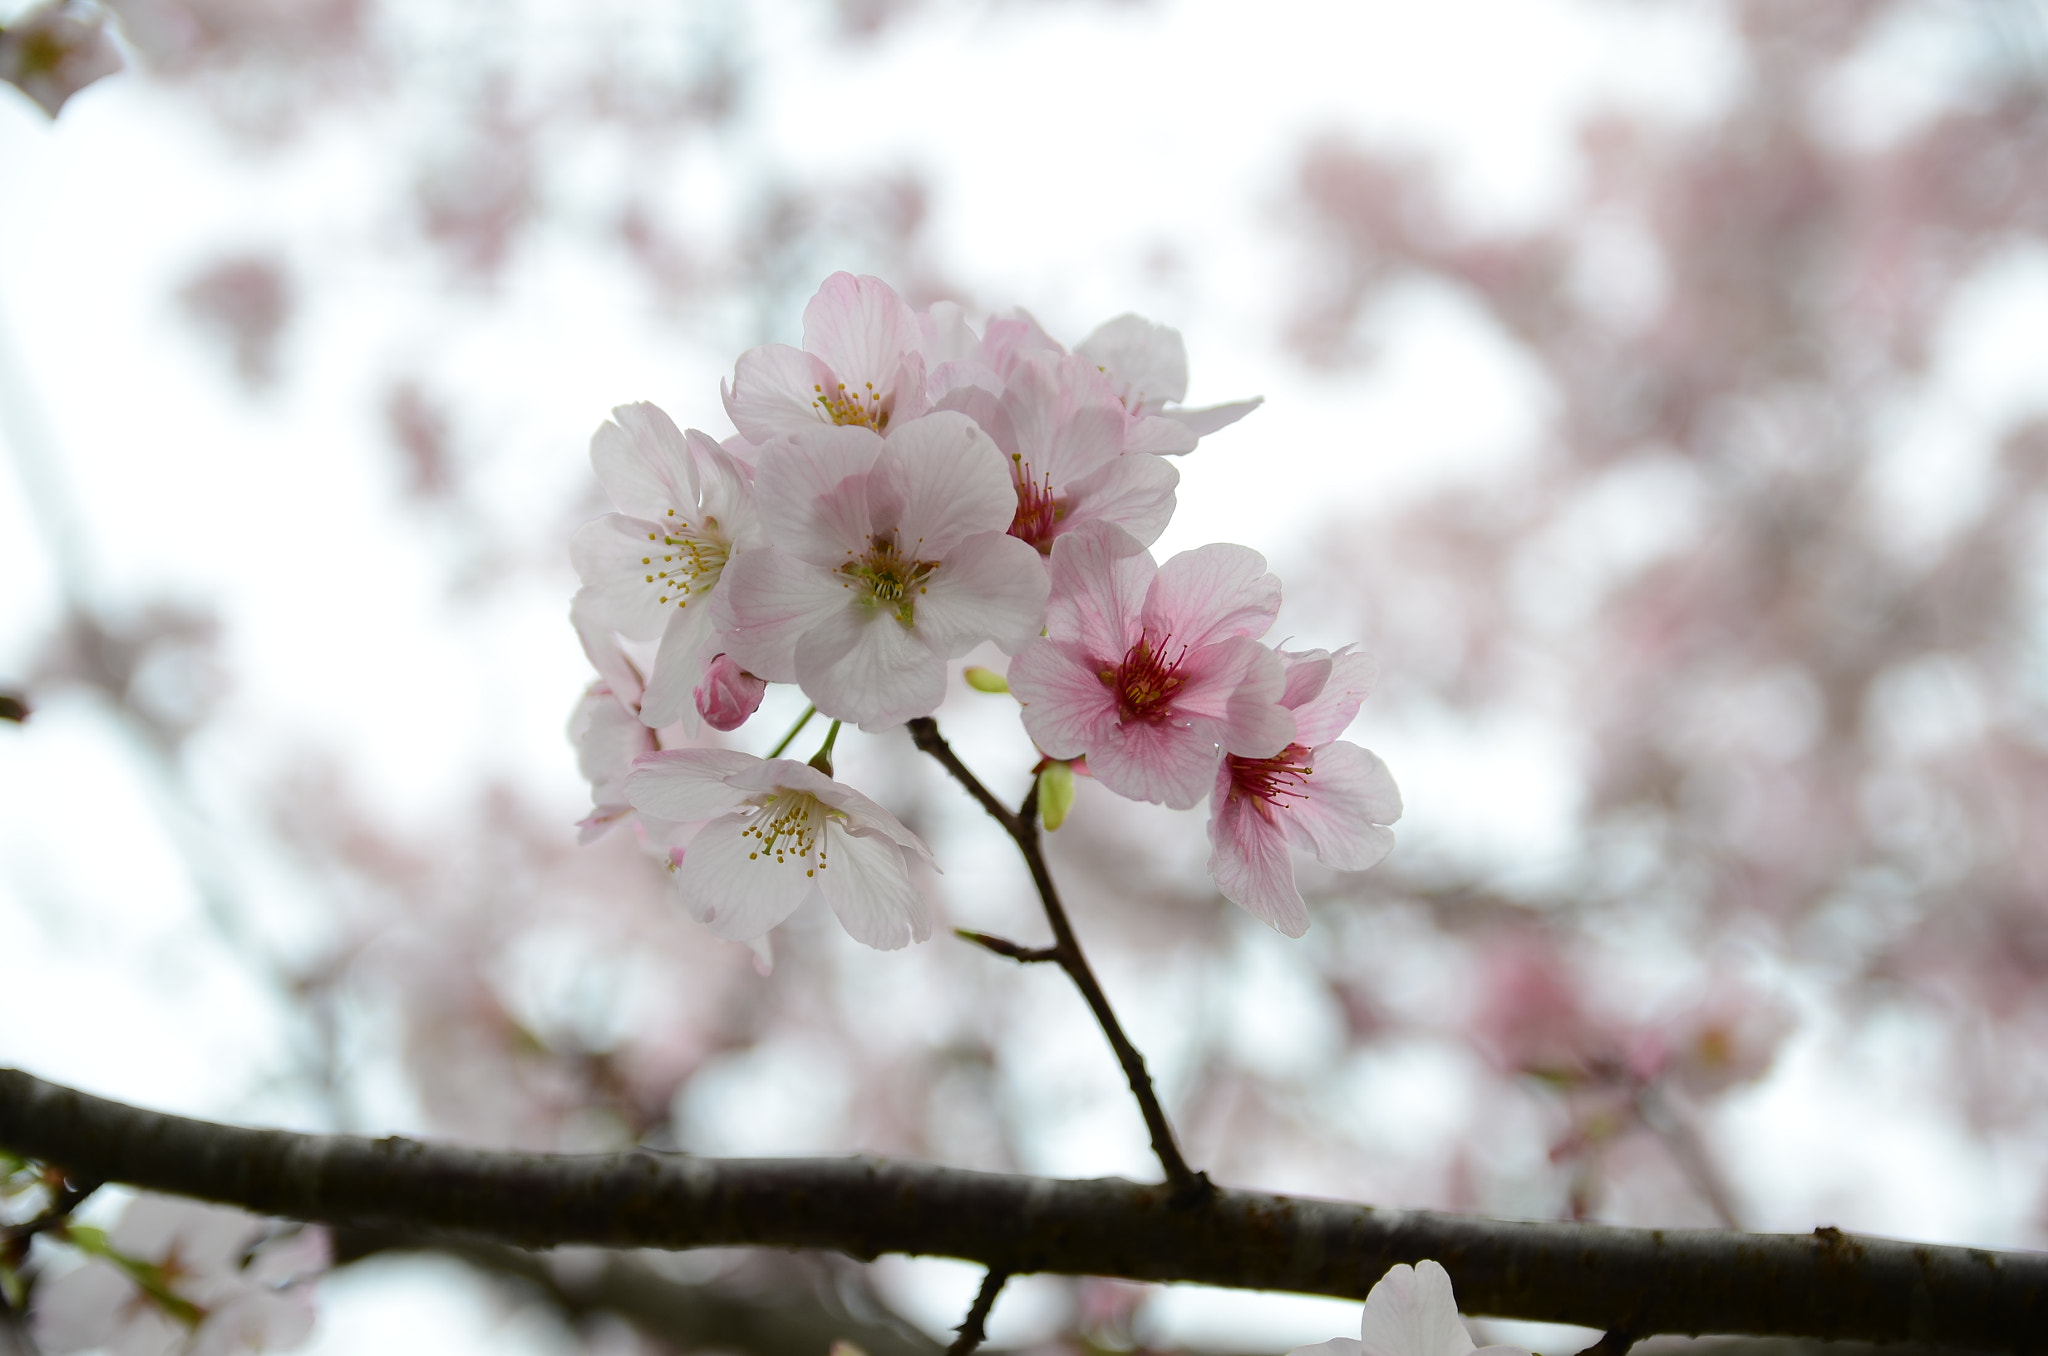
<point x="780" y="831"/>
<point x="1410" y="1312"/>
<point x="1154" y="672"/>
<point x="650" y="570"/>
<point x="1319" y="793"/>
<point x="862" y="364"/>
<point x="177" y="1276"/>
<point x="888" y="558"/>
<point x="1147" y="366"/>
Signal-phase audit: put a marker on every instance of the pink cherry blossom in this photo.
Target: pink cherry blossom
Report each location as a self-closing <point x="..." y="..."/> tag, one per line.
<point x="1147" y="365"/>
<point x="890" y="557"/>
<point x="1062" y="429"/>
<point x="1410" y="1312"/>
<point x="862" y="364"/>
<point x="780" y="831"/>
<point x="1146" y="669"/>
<point x="650" y="569"/>
<point x="236" y="1286"/>
<point x="1320" y="793"/>
<point x="728" y="694"/>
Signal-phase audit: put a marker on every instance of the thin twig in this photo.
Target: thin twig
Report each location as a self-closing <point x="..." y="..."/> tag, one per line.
<point x="1022" y="826"/>
<point x="973" y="1330"/>
<point x="1002" y="946"/>
<point x="68" y="1198"/>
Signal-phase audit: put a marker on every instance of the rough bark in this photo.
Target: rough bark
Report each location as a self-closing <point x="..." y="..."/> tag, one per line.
<point x="1642" y="1281"/>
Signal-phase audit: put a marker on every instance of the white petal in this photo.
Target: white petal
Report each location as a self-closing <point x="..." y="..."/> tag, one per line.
<point x="1206" y="419"/>
<point x="1147" y="363"/>
<point x="863" y="666"/>
<point x="764" y="605"/>
<point x="644" y="463"/>
<point x="1336" y="1346"/>
<point x="810" y="491"/>
<point x="733" y="888"/>
<point x="867" y="882"/>
<point x="1157" y="435"/>
<point x="861" y="329"/>
<point x="686" y="647"/>
<point x="620" y="561"/>
<point x="774" y="391"/>
<point x="991" y="587"/>
<point x="1411" y="1312"/>
<point x="603" y="650"/>
<point x="687" y="784"/>
<point x="1134" y="492"/>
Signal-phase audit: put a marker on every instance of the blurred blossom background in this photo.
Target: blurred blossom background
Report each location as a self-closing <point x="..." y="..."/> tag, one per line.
<point x="1658" y="387"/>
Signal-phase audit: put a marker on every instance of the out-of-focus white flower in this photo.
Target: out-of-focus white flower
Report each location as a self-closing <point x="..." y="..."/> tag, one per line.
<point x="779" y="832"/>
<point x="56" y="50"/>
<point x="1411" y="1312"/>
<point x="224" y="1281"/>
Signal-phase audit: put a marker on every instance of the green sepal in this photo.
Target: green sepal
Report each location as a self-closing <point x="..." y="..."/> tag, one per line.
<point x="986" y="680"/>
<point x="1055" y="794"/>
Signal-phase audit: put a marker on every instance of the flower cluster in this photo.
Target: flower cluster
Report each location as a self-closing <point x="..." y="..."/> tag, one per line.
<point x="899" y="491"/>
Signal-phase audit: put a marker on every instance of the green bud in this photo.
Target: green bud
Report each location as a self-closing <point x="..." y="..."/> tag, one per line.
<point x="1055" y="794"/>
<point x="985" y="680"/>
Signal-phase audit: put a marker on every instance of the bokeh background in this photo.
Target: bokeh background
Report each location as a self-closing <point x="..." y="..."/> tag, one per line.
<point x="1656" y="386"/>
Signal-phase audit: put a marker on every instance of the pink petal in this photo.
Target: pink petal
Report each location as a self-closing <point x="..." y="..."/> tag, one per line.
<point x="812" y="493"/>
<point x="1100" y="575"/>
<point x="1133" y="492"/>
<point x="766" y="602"/>
<point x="867" y="883"/>
<point x="1307" y="672"/>
<point x="1329" y="711"/>
<point x="991" y="587"/>
<point x="1147" y="363"/>
<point x="1163" y="762"/>
<point x="861" y="329"/>
<point x="727" y="695"/>
<point x="1234" y="690"/>
<point x="1251" y="861"/>
<point x="955" y="484"/>
<point x="1212" y="593"/>
<point x="775" y="390"/>
<point x="1351" y="796"/>
<point x="1067" y="708"/>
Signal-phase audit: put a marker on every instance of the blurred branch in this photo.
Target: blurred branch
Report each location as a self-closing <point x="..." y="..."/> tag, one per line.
<point x="1827" y="1284"/>
<point x="688" y="1316"/>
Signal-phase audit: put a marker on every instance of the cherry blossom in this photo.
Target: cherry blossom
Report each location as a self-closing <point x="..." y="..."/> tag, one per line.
<point x="862" y="364"/>
<point x="780" y="832"/>
<point x="1320" y="793"/>
<point x="685" y="507"/>
<point x="1410" y="1312"/>
<point x="1147" y="364"/>
<point x="1062" y="429"/>
<point x="1146" y="669"/>
<point x="889" y="557"/>
<point x="225" y="1285"/>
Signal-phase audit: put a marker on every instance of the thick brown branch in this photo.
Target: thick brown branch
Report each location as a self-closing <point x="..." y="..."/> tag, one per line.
<point x="1646" y="1281"/>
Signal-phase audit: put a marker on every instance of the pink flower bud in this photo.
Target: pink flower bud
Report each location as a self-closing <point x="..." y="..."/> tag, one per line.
<point x="728" y="694"/>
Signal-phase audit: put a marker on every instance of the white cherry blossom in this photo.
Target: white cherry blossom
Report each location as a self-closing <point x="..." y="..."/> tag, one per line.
<point x="779" y="832"/>
<point x="1410" y="1312"/>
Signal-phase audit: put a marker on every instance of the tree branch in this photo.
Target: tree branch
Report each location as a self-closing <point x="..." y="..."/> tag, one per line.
<point x="1022" y="826"/>
<point x="1643" y="1281"/>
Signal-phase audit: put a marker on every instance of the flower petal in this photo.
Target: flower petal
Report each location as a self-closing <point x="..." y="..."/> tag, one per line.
<point x="1067" y="708"/>
<point x="867" y="882"/>
<point x="954" y="484"/>
<point x="1332" y="708"/>
<point x="1411" y="1312"/>
<point x="1212" y="593"/>
<point x="1206" y="419"/>
<point x="688" y="784"/>
<point x="812" y="493"/>
<point x="619" y="560"/>
<point x="1164" y="762"/>
<point x="991" y="587"/>
<point x="861" y="665"/>
<point x="1251" y="862"/>
<point x="1147" y="363"/>
<point x="686" y="647"/>
<point x="1100" y="576"/>
<point x="644" y="463"/>
<point x="775" y="390"/>
<point x="1135" y="492"/>
<point x="601" y="646"/>
<point x="861" y="329"/>
<point x="735" y="890"/>
<point x="1351" y="797"/>
<point x="765" y="603"/>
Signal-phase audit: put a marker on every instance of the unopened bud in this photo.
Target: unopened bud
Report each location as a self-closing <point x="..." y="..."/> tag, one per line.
<point x="985" y="680"/>
<point x="728" y="694"/>
<point x="1055" y="794"/>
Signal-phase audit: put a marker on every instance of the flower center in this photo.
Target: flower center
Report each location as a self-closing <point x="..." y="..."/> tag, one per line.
<point x="864" y="407"/>
<point x="788" y="828"/>
<point x="885" y="577"/>
<point x="1038" y="513"/>
<point x="689" y="561"/>
<point x="1271" y="781"/>
<point x="1146" y="680"/>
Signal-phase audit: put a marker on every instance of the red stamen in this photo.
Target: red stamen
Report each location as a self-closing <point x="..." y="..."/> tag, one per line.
<point x="1271" y="781"/>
